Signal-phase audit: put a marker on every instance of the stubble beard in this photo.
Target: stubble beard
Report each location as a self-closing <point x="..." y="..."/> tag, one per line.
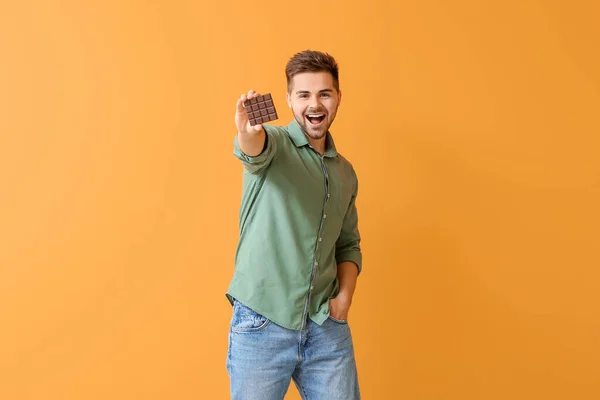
<point x="315" y="135"/>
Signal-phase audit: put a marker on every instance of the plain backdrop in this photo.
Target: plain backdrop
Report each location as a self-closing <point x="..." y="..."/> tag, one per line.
<point x="473" y="127"/>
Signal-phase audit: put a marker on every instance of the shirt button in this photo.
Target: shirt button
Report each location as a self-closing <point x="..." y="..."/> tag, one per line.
<point x="324" y="215"/>
<point x="312" y="287"/>
<point x="320" y="239"/>
<point x="316" y="264"/>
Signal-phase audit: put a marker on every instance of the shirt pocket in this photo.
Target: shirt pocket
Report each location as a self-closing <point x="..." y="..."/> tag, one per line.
<point x="341" y="190"/>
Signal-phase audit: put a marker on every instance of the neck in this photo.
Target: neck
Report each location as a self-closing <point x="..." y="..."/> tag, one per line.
<point x="317" y="144"/>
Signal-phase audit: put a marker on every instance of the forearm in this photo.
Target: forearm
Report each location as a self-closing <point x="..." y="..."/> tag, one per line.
<point x="347" y="273"/>
<point x="253" y="143"/>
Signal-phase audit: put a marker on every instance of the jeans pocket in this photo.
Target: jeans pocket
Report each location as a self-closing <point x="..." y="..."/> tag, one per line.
<point x="245" y="320"/>
<point x="338" y="321"/>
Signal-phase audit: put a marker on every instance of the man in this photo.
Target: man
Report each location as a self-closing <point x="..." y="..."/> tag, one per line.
<point x="298" y="255"/>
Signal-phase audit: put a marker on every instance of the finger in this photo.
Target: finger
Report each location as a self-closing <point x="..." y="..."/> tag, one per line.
<point x="257" y="127"/>
<point x="252" y="94"/>
<point x="240" y="105"/>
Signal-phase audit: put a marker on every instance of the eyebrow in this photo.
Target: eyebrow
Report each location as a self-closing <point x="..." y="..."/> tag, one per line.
<point x="320" y="91"/>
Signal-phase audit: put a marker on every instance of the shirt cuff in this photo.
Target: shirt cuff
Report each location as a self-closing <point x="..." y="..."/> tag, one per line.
<point x="350" y="255"/>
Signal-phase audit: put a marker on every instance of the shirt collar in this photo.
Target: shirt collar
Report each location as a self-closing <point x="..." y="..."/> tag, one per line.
<point x="300" y="139"/>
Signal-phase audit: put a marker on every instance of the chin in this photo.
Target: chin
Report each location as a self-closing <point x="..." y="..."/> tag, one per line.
<point x="316" y="134"/>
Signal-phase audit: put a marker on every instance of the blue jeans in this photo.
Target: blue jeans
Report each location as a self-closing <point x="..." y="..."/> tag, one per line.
<point x="263" y="357"/>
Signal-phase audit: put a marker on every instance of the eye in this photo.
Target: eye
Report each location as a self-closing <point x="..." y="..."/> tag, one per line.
<point x="325" y="95"/>
<point x="303" y="95"/>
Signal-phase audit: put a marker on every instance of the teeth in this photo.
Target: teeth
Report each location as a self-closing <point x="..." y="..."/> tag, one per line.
<point x="316" y="115"/>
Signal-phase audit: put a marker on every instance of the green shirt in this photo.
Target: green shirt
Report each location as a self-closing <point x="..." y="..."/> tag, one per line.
<point x="298" y="220"/>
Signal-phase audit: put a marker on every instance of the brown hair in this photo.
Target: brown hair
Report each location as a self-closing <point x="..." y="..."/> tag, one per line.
<point x="312" y="61"/>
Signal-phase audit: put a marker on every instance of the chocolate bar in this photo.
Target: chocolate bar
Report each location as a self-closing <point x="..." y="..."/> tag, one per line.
<point x="261" y="109"/>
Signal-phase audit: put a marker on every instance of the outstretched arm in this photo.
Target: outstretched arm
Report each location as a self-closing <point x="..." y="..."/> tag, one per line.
<point x="251" y="139"/>
<point x="254" y="145"/>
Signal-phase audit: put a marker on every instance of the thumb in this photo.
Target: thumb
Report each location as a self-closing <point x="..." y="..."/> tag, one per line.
<point x="239" y="107"/>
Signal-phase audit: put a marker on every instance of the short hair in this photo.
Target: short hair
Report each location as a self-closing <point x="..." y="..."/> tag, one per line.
<point x="312" y="61"/>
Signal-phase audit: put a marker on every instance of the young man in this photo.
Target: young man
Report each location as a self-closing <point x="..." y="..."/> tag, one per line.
<point x="298" y="255"/>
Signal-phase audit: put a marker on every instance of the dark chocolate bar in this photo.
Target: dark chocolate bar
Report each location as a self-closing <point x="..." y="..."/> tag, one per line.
<point x="261" y="109"/>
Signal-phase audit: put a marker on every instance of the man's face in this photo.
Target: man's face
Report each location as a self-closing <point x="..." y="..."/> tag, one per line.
<point x="314" y="102"/>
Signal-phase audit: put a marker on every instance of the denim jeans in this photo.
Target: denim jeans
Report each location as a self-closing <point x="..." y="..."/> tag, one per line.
<point x="263" y="357"/>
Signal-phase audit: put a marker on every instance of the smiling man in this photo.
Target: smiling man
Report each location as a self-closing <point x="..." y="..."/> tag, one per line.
<point x="298" y="255"/>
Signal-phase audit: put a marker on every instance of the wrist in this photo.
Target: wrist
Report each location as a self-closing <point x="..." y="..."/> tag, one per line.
<point x="344" y="295"/>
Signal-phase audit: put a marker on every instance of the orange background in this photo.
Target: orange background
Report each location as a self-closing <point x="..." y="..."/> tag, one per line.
<point x="474" y="130"/>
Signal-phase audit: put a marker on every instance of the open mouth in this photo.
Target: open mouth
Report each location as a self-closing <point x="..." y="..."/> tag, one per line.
<point x="315" y="119"/>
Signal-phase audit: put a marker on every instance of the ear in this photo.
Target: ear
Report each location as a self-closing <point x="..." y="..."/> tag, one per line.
<point x="339" y="97"/>
<point x="289" y="99"/>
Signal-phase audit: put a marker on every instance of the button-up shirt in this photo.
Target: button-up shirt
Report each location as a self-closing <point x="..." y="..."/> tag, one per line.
<point x="297" y="221"/>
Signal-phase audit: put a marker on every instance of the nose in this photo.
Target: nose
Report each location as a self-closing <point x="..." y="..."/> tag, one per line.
<point x="315" y="102"/>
